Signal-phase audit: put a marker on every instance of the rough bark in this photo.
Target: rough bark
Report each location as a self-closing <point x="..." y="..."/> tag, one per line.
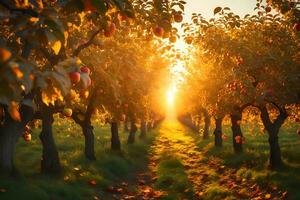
<point x="50" y="163"/>
<point x="206" y="124"/>
<point x="115" y="141"/>
<point x="143" y="129"/>
<point x="87" y="128"/>
<point x="131" y="136"/>
<point x="89" y="149"/>
<point x="273" y="130"/>
<point x="218" y="132"/>
<point x="10" y="131"/>
<point x="126" y="128"/>
<point x="236" y="118"/>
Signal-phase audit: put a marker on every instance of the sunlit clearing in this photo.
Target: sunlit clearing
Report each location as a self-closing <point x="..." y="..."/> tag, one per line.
<point x="170" y="97"/>
<point x="170" y="100"/>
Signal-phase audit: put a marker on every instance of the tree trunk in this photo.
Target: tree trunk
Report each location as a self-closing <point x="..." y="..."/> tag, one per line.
<point x="10" y="132"/>
<point x="218" y="132"/>
<point x="126" y="128"/>
<point x="273" y="130"/>
<point x="8" y="139"/>
<point x="143" y="129"/>
<point x="237" y="135"/>
<point x="115" y="141"/>
<point x="206" y="124"/>
<point x="131" y="136"/>
<point x="88" y="133"/>
<point x="275" y="153"/>
<point x="50" y="163"/>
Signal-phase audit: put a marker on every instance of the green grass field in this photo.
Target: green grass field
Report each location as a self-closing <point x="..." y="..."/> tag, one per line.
<point x="252" y="164"/>
<point x="115" y="167"/>
<point x="110" y="167"/>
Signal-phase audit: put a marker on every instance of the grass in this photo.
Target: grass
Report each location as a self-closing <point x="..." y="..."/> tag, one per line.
<point x="173" y="179"/>
<point x="253" y="163"/>
<point x="110" y="167"/>
<point x="114" y="167"/>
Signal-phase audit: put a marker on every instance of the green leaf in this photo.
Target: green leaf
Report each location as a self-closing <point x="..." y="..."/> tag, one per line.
<point x="100" y="5"/>
<point x="57" y="28"/>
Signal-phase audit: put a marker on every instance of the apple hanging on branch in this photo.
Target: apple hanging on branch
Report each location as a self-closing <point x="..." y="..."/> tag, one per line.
<point x="27" y="137"/>
<point x="85" y="69"/>
<point x="158" y="31"/>
<point x="74" y="77"/>
<point x="110" y="30"/>
<point x="178" y="17"/>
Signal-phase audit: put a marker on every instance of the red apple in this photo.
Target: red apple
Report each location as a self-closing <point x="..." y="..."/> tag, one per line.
<point x="93" y="182"/>
<point x="27" y="137"/>
<point x="110" y="30"/>
<point x="297" y="27"/>
<point x="225" y="137"/>
<point x="237" y="139"/>
<point x="178" y="17"/>
<point x="158" y="31"/>
<point x="268" y="9"/>
<point x="75" y="77"/>
<point x="85" y="69"/>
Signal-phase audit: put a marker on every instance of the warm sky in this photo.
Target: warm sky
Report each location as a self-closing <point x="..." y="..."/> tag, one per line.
<point x="206" y="7"/>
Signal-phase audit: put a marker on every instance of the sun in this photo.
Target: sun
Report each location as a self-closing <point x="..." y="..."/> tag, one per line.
<point x="171" y="96"/>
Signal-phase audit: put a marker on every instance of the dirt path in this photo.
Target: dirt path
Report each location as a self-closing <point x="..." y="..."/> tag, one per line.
<point x="209" y="178"/>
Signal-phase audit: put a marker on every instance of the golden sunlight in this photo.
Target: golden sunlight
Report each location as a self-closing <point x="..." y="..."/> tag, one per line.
<point x="170" y="95"/>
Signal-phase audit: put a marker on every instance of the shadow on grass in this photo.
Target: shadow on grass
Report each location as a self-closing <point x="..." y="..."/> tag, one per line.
<point x="109" y="168"/>
<point x="173" y="179"/>
<point x="253" y="162"/>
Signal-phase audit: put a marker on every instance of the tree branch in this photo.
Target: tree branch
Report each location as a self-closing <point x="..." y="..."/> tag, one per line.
<point x="21" y="10"/>
<point x="265" y="117"/>
<point x="86" y="44"/>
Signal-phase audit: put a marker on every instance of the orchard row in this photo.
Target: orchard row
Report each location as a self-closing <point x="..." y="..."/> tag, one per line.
<point x="81" y="58"/>
<point x="244" y="67"/>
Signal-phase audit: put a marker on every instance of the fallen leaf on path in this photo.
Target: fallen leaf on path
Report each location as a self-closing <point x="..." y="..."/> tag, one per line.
<point x="142" y="182"/>
<point x="76" y="169"/>
<point x="124" y="184"/>
<point x="187" y="190"/>
<point x="268" y="196"/>
<point x="154" y="178"/>
<point x="66" y="178"/>
<point x="93" y="182"/>
<point x="120" y="190"/>
<point x="2" y="190"/>
<point x="158" y="194"/>
<point x="284" y="195"/>
<point x="110" y="189"/>
<point x="129" y="197"/>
